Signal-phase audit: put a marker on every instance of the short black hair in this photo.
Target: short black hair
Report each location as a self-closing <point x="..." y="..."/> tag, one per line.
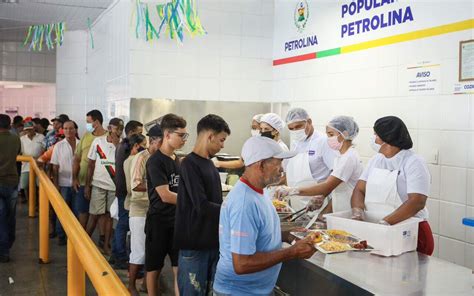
<point x="96" y="115"/>
<point x="36" y="120"/>
<point x="5" y="121"/>
<point x="212" y="122"/>
<point x="132" y="125"/>
<point x="17" y="119"/>
<point x="44" y="122"/>
<point x="171" y="122"/>
<point x="73" y="122"/>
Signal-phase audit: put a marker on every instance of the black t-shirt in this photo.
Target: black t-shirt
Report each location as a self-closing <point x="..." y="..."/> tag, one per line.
<point x="161" y="170"/>
<point x="120" y="156"/>
<point x="198" y="206"/>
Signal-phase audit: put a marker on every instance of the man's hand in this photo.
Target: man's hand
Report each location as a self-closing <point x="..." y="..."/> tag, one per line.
<point x="76" y="184"/>
<point x="283" y="191"/>
<point x="304" y="249"/>
<point x="87" y="192"/>
<point x="316" y="203"/>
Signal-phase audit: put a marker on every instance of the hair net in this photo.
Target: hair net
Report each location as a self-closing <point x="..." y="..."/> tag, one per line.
<point x="296" y="114"/>
<point x="274" y="121"/>
<point x="257" y="117"/>
<point x="346" y="126"/>
<point x="393" y="131"/>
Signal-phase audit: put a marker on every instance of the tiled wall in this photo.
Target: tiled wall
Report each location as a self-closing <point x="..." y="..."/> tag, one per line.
<point x="369" y="84"/>
<point x="231" y="63"/>
<point x="34" y="101"/>
<point x="19" y="64"/>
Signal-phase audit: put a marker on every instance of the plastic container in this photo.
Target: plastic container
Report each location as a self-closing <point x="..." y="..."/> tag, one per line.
<point x="390" y="240"/>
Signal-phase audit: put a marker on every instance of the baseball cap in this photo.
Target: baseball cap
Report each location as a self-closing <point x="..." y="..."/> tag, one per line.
<point x="116" y="122"/>
<point x="61" y="118"/>
<point x="28" y="125"/>
<point x="155" y="131"/>
<point x="259" y="148"/>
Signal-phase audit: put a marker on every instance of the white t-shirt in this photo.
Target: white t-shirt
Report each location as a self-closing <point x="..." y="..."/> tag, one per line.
<point x="63" y="156"/>
<point x="348" y="167"/>
<point x="103" y="153"/>
<point x="33" y="147"/>
<point x="321" y="156"/>
<point x="414" y="176"/>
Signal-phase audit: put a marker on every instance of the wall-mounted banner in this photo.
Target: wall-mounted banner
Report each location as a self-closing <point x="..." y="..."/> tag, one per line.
<point x="309" y="29"/>
<point x="463" y="88"/>
<point x="422" y="78"/>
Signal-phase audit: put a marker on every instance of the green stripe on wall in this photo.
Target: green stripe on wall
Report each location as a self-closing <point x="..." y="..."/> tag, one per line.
<point x="327" y="53"/>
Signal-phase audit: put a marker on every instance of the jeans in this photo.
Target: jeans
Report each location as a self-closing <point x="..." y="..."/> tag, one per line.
<point x="8" y="198"/>
<point x="82" y="204"/>
<point x="196" y="271"/>
<point x="69" y="196"/>
<point x="119" y="243"/>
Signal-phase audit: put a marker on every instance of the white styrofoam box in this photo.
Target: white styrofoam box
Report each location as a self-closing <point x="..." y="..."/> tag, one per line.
<point x="436" y="245"/>
<point x="469" y="257"/>
<point x="387" y="240"/>
<point x="450" y="220"/>
<point x="470" y="187"/>
<point x="454" y="148"/>
<point x="451" y="250"/>
<point x="435" y="172"/>
<point x="209" y="67"/>
<point x="230" y="46"/>
<point x="453" y="184"/>
<point x="208" y="89"/>
<point x="231" y="23"/>
<point x="433" y="208"/>
<point x="469" y="230"/>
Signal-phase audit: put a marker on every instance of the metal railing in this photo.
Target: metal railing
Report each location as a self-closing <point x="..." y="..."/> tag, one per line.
<point x="82" y="254"/>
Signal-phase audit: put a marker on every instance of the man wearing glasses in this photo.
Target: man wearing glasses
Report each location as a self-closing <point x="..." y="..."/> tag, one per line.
<point x="162" y="182"/>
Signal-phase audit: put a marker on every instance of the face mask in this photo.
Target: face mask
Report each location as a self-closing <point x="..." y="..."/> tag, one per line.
<point x="376" y="147"/>
<point x="141" y="148"/>
<point x="254" y="132"/>
<point x="89" y="127"/>
<point x="268" y="134"/>
<point x="334" y="143"/>
<point x="298" y="135"/>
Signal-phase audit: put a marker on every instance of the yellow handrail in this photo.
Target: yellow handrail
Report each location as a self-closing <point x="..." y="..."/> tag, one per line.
<point x="82" y="254"/>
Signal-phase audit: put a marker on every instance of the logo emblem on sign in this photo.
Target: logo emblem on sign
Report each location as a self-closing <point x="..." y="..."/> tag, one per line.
<point x="301" y="15"/>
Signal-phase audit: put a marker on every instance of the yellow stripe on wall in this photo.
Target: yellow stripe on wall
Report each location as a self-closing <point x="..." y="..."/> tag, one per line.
<point x="444" y="29"/>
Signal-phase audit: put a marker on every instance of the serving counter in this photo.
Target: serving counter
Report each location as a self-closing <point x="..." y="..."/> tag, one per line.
<point x="360" y="273"/>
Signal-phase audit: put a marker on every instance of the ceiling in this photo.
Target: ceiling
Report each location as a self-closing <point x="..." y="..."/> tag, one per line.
<point x="17" y="16"/>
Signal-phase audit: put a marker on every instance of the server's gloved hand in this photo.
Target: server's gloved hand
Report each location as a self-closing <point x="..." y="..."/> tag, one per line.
<point x="283" y="191"/>
<point x="383" y="222"/>
<point x="315" y="203"/>
<point x="358" y="214"/>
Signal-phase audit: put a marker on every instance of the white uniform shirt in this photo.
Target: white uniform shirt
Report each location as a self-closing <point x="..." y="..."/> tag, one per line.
<point x="32" y="148"/>
<point x="321" y="156"/>
<point x="63" y="157"/>
<point x="103" y="153"/>
<point x="414" y="176"/>
<point x="348" y="167"/>
<point x="283" y="145"/>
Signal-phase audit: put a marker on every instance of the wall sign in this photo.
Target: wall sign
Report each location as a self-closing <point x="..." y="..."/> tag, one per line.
<point x="466" y="60"/>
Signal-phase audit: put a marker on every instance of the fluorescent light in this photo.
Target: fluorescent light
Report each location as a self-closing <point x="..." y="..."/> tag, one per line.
<point x="13" y="86"/>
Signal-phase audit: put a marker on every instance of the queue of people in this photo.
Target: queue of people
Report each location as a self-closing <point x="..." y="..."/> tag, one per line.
<point x="173" y="206"/>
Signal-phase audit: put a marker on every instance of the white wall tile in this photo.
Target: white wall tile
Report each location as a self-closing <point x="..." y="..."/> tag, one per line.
<point x="469" y="256"/>
<point x="435" y="173"/>
<point x="454" y="148"/>
<point x="469" y="230"/>
<point x="470" y="187"/>
<point x="453" y="184"/>
<point x="451" y="250"/>
<point x="450" y="220"/>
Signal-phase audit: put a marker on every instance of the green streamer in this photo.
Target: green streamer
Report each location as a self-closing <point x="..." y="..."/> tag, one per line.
<point x="90" y="32"/>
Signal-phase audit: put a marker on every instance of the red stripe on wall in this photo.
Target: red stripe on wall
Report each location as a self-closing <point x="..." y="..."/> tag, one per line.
<point x="303" y="57"/>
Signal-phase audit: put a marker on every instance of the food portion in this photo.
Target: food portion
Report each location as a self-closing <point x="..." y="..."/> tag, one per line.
<point x="333" y="232"/>
<point x="281" y="206"/>
<point x="334" y="247"/>
<point x="317" y="237"/>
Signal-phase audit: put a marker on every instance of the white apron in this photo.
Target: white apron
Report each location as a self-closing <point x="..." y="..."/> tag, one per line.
<point x="341" y="197"/>
<point x="298" y="174"/>
<point x="381" y="195"/>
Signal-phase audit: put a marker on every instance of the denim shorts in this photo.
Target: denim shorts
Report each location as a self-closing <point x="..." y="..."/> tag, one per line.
<point x="82" y="204"/>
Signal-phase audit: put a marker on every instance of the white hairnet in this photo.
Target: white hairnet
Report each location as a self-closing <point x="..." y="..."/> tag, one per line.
<point x="257" y="117"/>
<point x="346" y="126"/>
<point x="296" y="114"/>
<point x="274" y="121"/>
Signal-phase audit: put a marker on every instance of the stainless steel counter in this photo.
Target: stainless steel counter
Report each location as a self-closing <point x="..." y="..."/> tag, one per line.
<point x="360" y="273"/>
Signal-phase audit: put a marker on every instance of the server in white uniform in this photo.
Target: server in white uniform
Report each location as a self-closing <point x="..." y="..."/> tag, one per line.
<point x="396" y="182"/>
<point x="347" y="168"/>
<point x="315" y="158"/>
<point x="271" y="126"/>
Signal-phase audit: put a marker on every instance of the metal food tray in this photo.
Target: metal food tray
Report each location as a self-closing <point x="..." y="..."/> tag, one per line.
<point x="326" y="238"/>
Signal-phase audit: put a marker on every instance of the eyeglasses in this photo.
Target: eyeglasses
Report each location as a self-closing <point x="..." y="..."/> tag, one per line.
<point x="183" y="136"/>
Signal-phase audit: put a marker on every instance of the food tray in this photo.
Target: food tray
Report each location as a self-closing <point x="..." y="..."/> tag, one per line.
<point x="338" y="240"/>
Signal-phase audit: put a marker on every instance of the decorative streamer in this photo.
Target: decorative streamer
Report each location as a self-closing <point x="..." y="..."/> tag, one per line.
<point x="89" y="26"/>
<point x="175" y="16"/>
<point x="38" y="33"/>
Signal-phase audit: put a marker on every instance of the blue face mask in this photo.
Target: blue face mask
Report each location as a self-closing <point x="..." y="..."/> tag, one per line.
<point x="89" y="127"/>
